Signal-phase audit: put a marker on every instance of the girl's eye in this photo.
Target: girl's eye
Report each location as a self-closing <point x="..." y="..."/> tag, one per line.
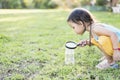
<point x="73" y="27"/>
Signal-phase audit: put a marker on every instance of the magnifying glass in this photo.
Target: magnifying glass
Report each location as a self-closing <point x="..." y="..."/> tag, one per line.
<point x="71" y="45"/>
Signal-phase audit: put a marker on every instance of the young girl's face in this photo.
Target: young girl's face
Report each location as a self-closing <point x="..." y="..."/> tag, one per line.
<point x="78" y="28"/>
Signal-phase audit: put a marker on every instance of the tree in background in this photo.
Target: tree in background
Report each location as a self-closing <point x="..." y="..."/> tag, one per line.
<point x="92" y="2"/>
<point x="72" y="3"/>
<point x="44" y="4"/>
<point x="27" y="3"/>
<point x="85" y="2"/>
<point x="101" y="2"/>
<point x="48" y="4"/>
<point x="10" y="4"/>
<point x="67" y="3"/>
<point x="113" y="2"/>
<point x="14" y="4"/>
<point x="4" y="4"/>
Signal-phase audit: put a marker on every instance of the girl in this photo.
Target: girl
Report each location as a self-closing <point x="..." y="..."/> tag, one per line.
<point x="104" y="36"/>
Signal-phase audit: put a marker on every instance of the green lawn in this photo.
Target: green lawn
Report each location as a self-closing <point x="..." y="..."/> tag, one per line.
<point x="32" y="47"/>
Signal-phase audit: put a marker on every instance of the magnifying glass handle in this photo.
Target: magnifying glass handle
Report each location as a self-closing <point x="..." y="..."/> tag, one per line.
<point x="79" y="44"/>
<point x="82" y="44"/>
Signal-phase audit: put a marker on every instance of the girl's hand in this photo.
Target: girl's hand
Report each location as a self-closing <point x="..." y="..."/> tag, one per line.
<point x="116" y="55"/>
<point x="83" y="43"/>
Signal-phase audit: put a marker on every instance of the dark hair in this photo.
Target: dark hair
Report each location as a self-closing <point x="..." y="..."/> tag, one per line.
<point x="82" y="15"/>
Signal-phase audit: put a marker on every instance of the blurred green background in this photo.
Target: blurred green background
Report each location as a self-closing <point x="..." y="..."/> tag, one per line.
<point x="50" y="4"/>
<point x="33" y="34"/>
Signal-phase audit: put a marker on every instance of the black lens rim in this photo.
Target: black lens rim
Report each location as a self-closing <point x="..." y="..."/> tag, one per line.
<point x="70" y="47"/>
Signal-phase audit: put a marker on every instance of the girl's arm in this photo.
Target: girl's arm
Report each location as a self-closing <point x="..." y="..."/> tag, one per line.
<point x="101" y="31"/>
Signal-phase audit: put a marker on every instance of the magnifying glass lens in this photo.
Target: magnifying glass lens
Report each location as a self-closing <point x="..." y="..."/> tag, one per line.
<point x="71" y="45"/>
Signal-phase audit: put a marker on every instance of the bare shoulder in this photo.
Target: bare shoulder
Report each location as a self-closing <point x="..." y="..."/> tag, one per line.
<point x="99" y="29"/>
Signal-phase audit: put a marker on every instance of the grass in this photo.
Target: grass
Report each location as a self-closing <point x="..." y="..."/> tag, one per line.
<point x="32" y="47"/>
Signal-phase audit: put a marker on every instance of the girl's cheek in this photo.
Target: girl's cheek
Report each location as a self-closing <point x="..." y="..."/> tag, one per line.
<point x="78" y="32"/>
<point x="75" y="31"/>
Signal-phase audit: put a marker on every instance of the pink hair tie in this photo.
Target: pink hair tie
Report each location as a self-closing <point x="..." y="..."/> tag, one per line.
<point x="117" y="49"/>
